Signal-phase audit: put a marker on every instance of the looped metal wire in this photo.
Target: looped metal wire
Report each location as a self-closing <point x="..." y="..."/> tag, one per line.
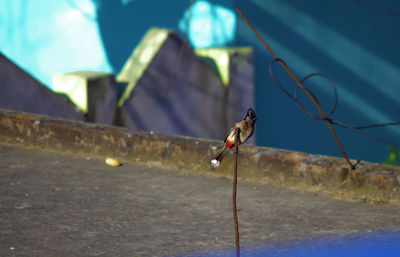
<point x="328" y="121"/>
<point x="319" y="117"/>
<point x="301" y="86"/>
<point x="327" y="117"/>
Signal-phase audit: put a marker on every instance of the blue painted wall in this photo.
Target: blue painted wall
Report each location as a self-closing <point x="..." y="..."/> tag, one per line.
<point x="354" y="42"/>
<point x="46" y="37"/>
<point x="123" y="23"/>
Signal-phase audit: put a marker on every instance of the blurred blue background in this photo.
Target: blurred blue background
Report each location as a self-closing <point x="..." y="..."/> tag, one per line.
<point x="354" y="42"/>
<point x="355" y="245"/>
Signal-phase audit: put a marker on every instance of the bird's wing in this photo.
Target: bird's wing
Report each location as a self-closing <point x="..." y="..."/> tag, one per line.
<point x="232" y="130"/>
<point x="229" y="133"/>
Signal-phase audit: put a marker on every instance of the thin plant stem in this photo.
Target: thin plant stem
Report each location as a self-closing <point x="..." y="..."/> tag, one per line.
<point x="234" y="208"/>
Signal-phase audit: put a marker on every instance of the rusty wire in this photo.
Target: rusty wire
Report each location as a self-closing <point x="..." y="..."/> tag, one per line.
<point x="328" y="118"/>
<point x="234" y="208"/>
<point x="322" y="116"/>
<point x="293" y="77"/>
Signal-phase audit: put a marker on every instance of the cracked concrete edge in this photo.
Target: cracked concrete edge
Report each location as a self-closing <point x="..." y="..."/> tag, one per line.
<point x="369" y="182"/>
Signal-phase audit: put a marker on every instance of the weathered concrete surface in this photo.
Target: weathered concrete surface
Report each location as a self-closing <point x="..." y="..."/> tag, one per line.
<point x="57" y="204"/>
<point x="370" y="182"/>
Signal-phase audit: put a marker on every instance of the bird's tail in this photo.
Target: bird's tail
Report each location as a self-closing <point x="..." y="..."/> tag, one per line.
<point x="216" y="161"/>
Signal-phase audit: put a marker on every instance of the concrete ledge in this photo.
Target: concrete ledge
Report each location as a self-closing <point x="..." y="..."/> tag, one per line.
<point x="370" y="182"/>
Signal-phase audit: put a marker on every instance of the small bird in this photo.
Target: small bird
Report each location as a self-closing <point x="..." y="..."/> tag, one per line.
<point x="246" y="129"/>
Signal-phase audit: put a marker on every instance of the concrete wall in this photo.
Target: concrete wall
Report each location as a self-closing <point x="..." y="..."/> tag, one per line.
<point x="368" y="182"/>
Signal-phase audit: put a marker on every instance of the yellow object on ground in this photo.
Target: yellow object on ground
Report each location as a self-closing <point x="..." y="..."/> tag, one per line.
<point x="112" y="162"/>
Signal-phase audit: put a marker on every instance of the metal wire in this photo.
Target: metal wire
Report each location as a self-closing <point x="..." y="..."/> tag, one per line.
<point x="322" y="116"/>
<point x="327" y="118"/>
<point x="309" y="94"/>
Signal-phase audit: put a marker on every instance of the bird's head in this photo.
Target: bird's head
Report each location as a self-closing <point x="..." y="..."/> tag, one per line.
<point x="251" y="114"/>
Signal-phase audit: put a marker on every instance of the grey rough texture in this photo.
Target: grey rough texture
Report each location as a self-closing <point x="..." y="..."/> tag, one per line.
<point x="370" y="181"/>
<point x="57" y="204"/>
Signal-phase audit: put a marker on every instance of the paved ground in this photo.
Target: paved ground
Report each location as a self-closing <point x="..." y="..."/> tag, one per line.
<point x="54" y="204"/>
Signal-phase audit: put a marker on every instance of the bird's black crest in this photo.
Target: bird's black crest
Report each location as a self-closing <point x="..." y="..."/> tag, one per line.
<point x="251" y="113"/>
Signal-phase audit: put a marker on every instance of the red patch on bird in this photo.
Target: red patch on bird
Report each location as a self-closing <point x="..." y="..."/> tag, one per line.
<point x="229" y="144"/>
